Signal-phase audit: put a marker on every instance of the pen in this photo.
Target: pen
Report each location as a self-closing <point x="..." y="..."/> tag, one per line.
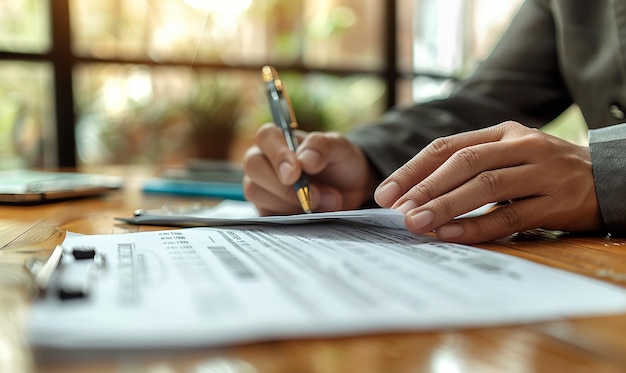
<point x="283" y="115"/>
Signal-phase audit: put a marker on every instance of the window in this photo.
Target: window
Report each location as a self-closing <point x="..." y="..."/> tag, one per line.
<point x="160" y="81"/>
<point x="449" y="38"/>
<point x="26" y="109"/>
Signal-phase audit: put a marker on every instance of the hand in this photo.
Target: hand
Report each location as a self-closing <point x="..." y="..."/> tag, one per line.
<point x="339" y="173"/>
<point x="549" y="180"/>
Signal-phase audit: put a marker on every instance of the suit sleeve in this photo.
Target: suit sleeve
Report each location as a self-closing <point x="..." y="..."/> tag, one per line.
<point x="519" y="81"/>
<point x="608" y="158"/>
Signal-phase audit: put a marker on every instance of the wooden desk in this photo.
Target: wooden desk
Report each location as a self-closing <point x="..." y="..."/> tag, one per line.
<point x="582" y="345"/>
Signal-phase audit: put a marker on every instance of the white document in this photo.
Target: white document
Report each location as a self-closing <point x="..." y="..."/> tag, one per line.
<point x="230" y="212"/>
<point x="216" y="286"/>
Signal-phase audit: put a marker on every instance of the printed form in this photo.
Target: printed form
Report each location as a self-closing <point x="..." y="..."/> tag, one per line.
<point x="217" y="286"/>
<point x="230" y="212"/>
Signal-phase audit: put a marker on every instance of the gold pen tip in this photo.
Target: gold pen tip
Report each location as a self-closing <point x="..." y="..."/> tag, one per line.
<point x="304" y="196"/>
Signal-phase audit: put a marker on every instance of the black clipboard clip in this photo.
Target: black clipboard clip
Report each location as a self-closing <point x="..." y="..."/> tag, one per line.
<point x="67" y="272"/>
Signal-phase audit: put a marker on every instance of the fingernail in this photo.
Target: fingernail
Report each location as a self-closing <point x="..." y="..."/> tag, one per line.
<point x="309" y="156"/>
<point x="387" y="193"/>
<point x="284" y="169"/>
<point x="406" y="206"/>
<point x="422" y="219"/>
<point x="450" y="231"/>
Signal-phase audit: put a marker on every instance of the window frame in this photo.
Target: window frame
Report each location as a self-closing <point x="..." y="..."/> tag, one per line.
<point x="63" y="61"/>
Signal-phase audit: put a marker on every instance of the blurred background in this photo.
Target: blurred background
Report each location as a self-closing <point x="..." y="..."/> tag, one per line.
<point x="157" y="82"/>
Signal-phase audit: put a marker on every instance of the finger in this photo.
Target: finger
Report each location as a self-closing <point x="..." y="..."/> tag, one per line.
<point x="259" y="174"/>
<point x="326" y="199"/>
<point x="271" y="141"/>
<point x="268" y="203"/>
<point x="489" y="186"/>
<point x="473" y="165"/>
<point x="430" y="159"/>
<point x="320" y="151"/>
<point x="300" y="135"/>
<point x="503" y="221"/>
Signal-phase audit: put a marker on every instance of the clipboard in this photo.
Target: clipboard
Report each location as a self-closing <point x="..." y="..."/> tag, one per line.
<point x="68" y="273"/>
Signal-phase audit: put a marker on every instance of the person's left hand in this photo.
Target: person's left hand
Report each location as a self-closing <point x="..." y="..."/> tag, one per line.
<point x="548" y="180"/>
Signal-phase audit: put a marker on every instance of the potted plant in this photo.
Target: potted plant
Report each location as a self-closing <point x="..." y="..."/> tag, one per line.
<point x="214" y="107"/>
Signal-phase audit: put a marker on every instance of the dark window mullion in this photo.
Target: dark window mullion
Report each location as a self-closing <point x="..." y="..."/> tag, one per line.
<point x="391" y="73"/>
<point x="63" y="63"/>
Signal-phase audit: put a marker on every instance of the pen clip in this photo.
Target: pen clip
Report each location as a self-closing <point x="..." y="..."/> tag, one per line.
<point x="280" y="105"/>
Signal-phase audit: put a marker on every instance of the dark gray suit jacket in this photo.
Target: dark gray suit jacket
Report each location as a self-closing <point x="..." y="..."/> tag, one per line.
<point x="555" y="53"/>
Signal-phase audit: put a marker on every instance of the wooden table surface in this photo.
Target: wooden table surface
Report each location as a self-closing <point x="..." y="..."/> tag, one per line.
<point x="580" y="345"/>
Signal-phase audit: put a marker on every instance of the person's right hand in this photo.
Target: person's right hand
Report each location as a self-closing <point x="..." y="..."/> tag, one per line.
<point x="339" y="173"/>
